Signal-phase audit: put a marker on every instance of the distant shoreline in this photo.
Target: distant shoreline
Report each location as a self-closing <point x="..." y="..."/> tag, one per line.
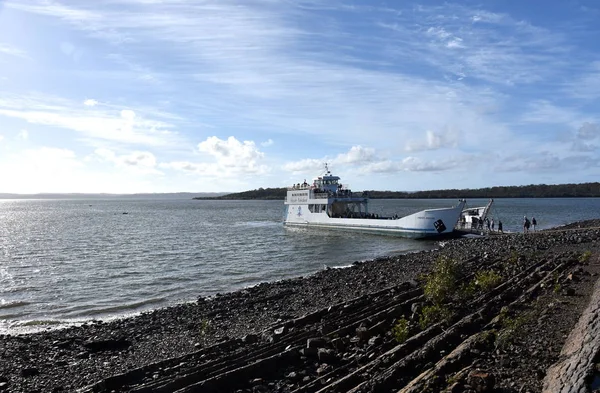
<point x="170" y="195"/>
<point x="584" y="190"/>
<point x="391" y="198"/>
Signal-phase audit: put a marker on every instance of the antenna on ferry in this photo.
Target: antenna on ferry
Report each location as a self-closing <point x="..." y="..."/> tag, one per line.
<point x="326" y="168"/>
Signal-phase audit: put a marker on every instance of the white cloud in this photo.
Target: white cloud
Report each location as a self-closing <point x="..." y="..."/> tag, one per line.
<point x="494" y="48"/>
<point x="385" y="166"/>
<point x="108" y="124"/>
<point x="262" y="72"/>
<point x="23" y="134"/>
<point x="71" y="51"/>
<point x="542" y="161"/>
<point x="223" y="159"/>
<point x="258" y="73"/>
<point x="415" y="164"/>
<point x="186" y="166"/>
<point x="544" y="111"/>
<point x="308" y="165"/>
<point x="12" y="51"/>
<point x="434" y="141"/>
<point x="37" y="170"/>
<point x="588" y="131"/>
<point x="368" y="161"/>
<point x="140" y="158"/>
<point x="586" y="138"/>
<point x="357" y="154"/>
<point x="583" y="147"/>
<point x="585" y="84"/>
<point x="487" y="17"/>
<point x="138" y="161"/>
<point x="50" y="169"/>
<point x="438" y="32"/>
<point x="233" y="155"/>
<point x="106" y="154"/>
<point x="455" y="43"/>
<point x="138" y="71"/>
<point x="274" y="67"/>
<point x="128" y="114"/>
<point x="90" y="102"/>
<point x="1" y="138"/>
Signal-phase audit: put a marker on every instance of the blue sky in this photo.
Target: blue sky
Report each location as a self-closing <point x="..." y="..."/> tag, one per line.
<point x="127" y="96"/>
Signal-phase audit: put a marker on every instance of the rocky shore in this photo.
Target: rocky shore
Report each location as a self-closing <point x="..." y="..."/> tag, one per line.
<point x="477" y="315"/>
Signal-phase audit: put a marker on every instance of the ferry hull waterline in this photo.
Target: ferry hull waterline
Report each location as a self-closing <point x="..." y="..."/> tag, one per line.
<point x="328" y="204"/>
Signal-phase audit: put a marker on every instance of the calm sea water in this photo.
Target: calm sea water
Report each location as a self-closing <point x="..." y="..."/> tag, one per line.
<point x="68" y="261"/>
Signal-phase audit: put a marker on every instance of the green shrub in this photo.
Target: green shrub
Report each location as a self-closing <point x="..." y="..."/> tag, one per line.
<point x="585" y="256"/>
<point x="512" y="327"/>
<point x="204" y="328"/>
<point x="441" y="282"/>
<point x="557" y="286"/>
<point x="467" y="291"/>
<point x="487" y="279"/>
<point x="433" y="314"/>
<point x="401" y="330"/>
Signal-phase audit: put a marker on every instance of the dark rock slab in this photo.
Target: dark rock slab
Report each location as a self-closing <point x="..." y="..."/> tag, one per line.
<point x="572" y="373"/>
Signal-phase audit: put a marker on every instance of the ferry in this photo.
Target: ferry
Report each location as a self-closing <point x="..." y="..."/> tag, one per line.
<point x="472" y="218"/>
<point x="326" y="203"/>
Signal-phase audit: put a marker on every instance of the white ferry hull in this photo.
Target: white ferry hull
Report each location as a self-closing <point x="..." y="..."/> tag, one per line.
<point x="423" y="224"/>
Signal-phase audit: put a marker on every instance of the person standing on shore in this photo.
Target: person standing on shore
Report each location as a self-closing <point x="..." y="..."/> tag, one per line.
<point x="493" y="225"/>
<point x="533" y="223"/>
<point x="526" y="224"/>
<point x="500" y="226"/>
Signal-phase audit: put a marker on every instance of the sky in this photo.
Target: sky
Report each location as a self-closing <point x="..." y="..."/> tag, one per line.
<point x="128" y="96"/>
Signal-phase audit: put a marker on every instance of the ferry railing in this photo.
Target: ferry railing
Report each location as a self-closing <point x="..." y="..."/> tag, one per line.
<point x="320" y="194"/>
<point x="300" y="187"/>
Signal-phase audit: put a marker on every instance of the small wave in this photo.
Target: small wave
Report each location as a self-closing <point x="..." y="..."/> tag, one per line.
<point x="4" y="306"/>
<point x="340" y="267"/>
<point x="41" y="322"/>
<point x="122" y="308"/>
<point x="258" y="223"/>
<point x="17" y="327"/>
<point x="9" y="317"/>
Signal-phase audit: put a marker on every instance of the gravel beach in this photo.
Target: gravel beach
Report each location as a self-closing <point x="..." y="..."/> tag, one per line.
<point x="374" y="326"/>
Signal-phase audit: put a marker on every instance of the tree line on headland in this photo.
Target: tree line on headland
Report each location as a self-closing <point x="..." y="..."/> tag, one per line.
<point x="530" y="191"/>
